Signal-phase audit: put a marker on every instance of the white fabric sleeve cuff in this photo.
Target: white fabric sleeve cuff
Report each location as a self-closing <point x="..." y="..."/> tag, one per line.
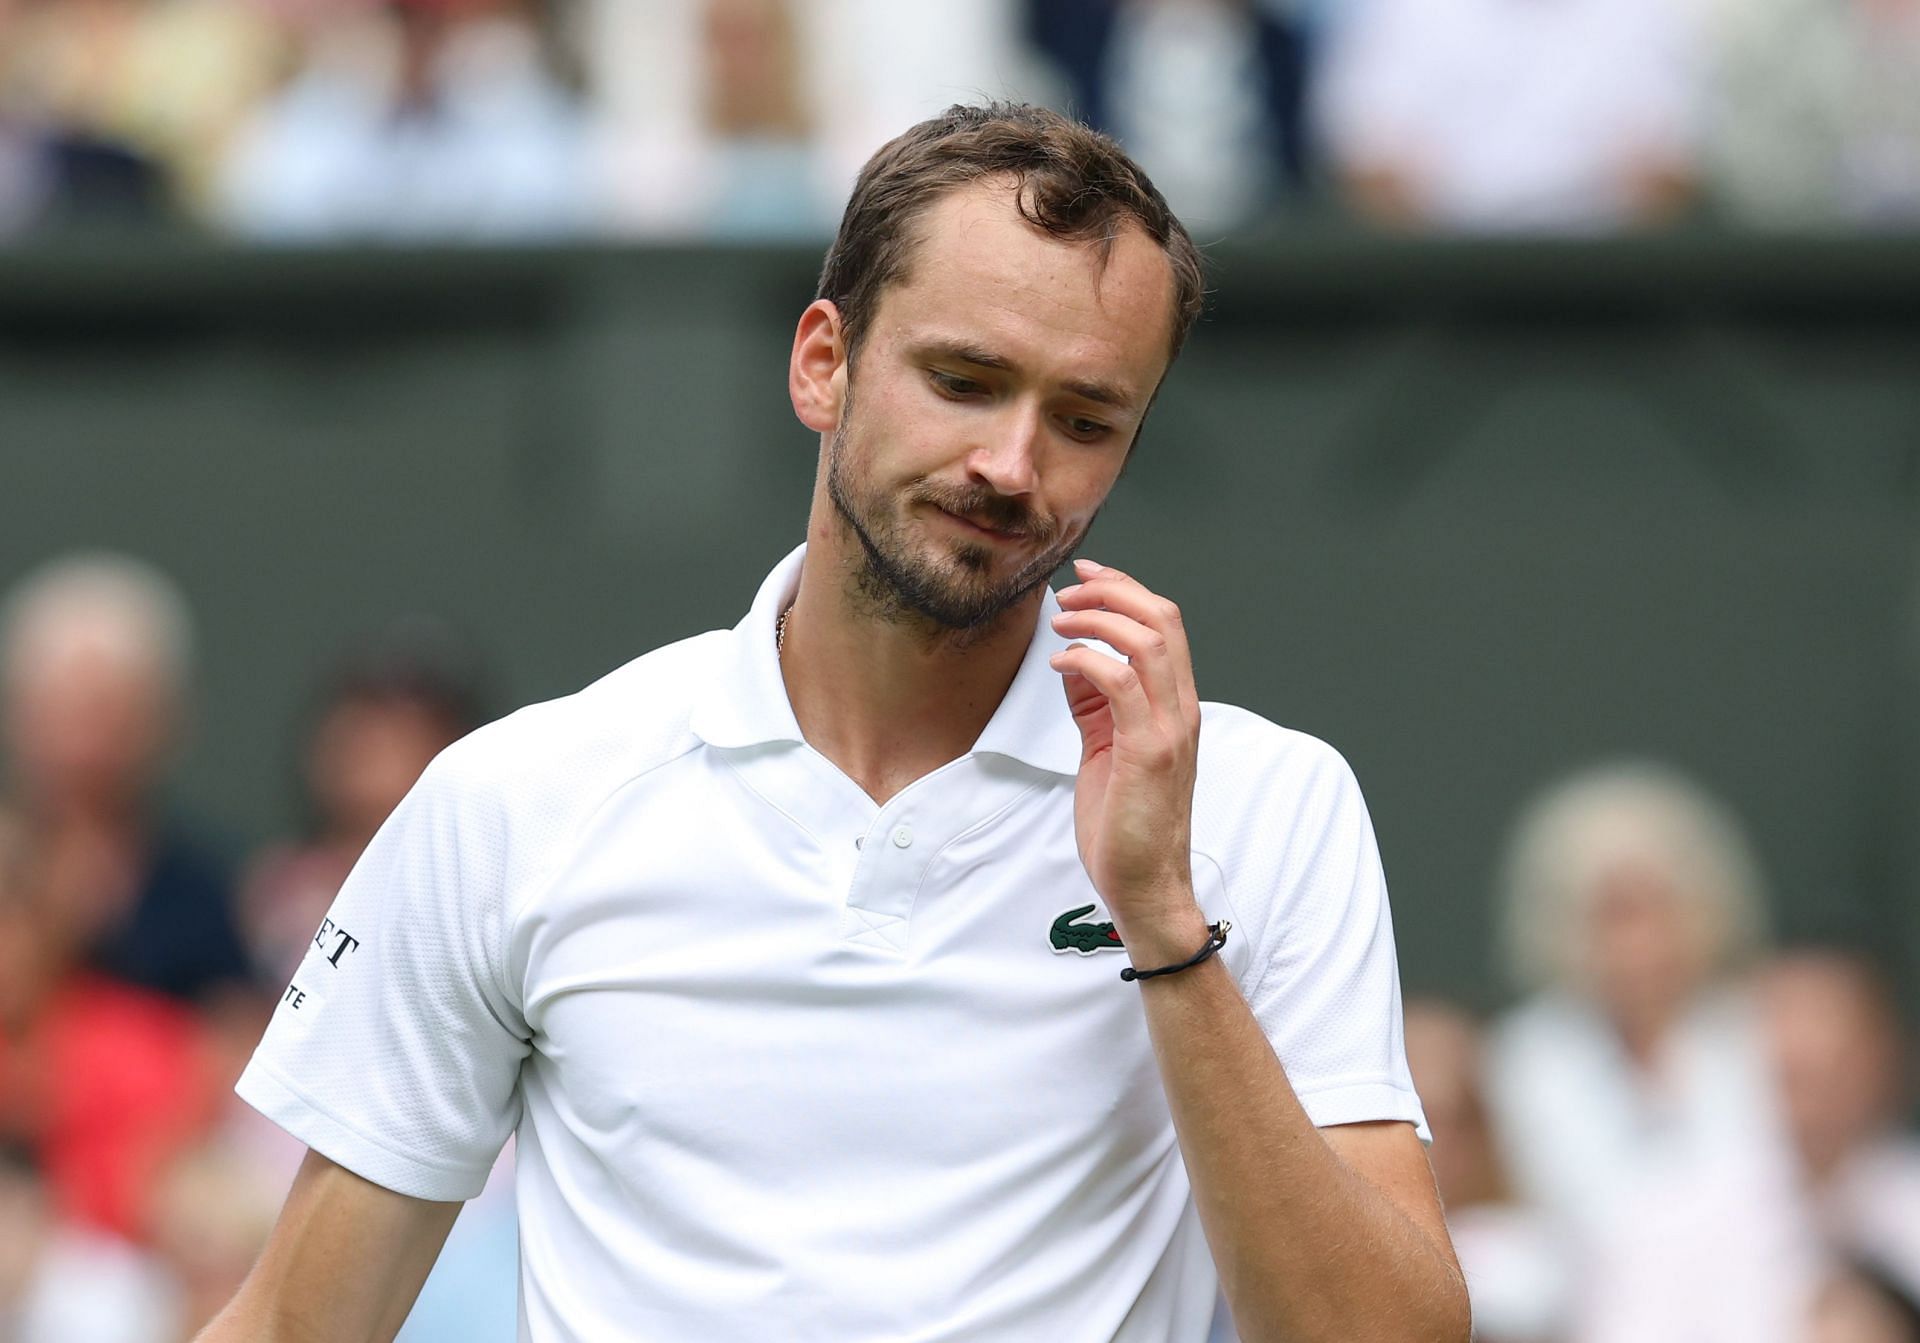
<point x="1364" y="1103"/>
<point x="414" y="1176"/>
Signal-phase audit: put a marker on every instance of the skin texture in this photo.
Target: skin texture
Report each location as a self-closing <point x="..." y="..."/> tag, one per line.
<point x="1000" y="386"/>
<point x="344" y="1263"/>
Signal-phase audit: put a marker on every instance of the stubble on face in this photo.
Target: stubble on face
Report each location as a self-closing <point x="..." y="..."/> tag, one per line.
<point x="945" y="590"/>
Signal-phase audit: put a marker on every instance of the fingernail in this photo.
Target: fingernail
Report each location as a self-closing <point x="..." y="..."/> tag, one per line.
<point x="1068" y="591"/>
<point x="1088" y="565"/>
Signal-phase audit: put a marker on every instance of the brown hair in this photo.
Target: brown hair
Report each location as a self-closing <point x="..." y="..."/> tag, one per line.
<point x="1073" y="183"/>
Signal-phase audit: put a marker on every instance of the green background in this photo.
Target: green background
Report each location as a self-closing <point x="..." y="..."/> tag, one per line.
<point x="1475" y="513"/>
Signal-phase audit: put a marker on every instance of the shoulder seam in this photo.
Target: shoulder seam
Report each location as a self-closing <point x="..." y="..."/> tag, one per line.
<point x="510" y="913"/>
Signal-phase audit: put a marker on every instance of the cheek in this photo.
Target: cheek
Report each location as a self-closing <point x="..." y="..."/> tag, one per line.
<point x="892" y="437"/>
<point x="1076" y="491"/>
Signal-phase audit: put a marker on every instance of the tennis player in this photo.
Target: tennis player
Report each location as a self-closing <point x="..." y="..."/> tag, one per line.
<point x="919" y="959"/>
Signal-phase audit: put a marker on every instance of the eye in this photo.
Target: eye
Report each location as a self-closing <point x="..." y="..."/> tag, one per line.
<point x="953" y="385"/>
<point x="1086" y="430"/>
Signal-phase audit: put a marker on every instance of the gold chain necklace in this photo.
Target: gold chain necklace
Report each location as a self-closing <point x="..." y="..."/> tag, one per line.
<point x="780" y="633"/>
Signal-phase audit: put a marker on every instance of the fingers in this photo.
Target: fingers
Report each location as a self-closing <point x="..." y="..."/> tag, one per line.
<point x="1133" y="716"/>
<point x="1116" y="609"/>
<point x="1144" y="648"/>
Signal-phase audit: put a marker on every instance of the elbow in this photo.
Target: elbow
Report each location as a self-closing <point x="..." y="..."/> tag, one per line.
<point x="1454" y="1317"/>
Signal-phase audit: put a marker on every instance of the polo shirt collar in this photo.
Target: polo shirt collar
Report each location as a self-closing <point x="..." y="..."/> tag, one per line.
<point x="745" y="701"/>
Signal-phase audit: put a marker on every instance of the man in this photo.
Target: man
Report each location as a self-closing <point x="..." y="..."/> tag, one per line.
<point x="792" y="951"/>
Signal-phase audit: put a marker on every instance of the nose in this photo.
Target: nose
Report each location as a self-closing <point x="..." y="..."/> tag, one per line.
<point x="1005" y="461"/>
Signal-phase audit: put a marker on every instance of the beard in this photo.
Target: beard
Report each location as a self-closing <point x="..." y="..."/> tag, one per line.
<point x="948" y="589"/>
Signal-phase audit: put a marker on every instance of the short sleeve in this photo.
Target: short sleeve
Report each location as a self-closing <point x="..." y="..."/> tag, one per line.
<point x="1324" y="981"/>
<point x="396" y="1049"/>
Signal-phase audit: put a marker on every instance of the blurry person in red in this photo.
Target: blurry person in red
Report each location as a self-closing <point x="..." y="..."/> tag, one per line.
<point x="101" y="1081"/>
<point x="390" y="707"/>
<point x="95" y="657"/>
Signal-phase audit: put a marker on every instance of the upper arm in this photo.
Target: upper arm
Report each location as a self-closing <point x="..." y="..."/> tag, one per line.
<point x="1390" y="1157"/>
<point x="344" y="1263"/>
<point x="396" y="1050"/>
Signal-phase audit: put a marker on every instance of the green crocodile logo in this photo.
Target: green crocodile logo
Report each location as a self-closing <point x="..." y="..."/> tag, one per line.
<point x="1085" y="938"/>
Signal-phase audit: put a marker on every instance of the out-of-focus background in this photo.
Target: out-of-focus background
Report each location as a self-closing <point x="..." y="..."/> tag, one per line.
<point x="369" y="367"/>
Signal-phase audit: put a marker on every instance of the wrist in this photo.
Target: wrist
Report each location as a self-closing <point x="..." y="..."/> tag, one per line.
<point x="1164" y="938"/>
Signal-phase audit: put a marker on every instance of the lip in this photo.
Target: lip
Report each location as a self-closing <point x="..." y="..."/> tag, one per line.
<point x="974" y="527"/>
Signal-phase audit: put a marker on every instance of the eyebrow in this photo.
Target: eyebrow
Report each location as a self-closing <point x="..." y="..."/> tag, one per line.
<point x="1087" y="389"/>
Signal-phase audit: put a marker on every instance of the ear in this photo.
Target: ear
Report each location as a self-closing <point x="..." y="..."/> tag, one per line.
<point x="817" y="369"/>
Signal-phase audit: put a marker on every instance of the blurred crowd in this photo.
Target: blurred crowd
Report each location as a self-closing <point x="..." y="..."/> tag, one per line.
<point x="1681" y="1131"/>
<point x="138" y="966"/>
<point x="532" y="120"/>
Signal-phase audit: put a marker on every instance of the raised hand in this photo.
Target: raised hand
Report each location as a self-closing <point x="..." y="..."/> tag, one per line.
<point x="1140" y="736"/>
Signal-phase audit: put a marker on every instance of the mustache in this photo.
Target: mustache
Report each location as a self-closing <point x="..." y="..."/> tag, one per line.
<point x="982" y="505"/>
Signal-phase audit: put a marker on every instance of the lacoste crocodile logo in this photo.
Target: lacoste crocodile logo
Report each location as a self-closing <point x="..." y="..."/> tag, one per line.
<point x="1085" y="938"/>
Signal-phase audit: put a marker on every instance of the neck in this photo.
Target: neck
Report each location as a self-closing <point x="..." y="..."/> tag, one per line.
<point x="886" y="699"/>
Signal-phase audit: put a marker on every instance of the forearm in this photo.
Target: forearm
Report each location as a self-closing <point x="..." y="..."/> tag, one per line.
<point x="1308" y="1250"/>
<point x="344" y="1263"/>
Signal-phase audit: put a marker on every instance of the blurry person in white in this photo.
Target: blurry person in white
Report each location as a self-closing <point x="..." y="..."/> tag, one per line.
<point x="751" y="118"/>
<point x="415" y="119"/>
<point x="1831" y="1251"/>
<point x="1516" y="1267"/>
<point x="1633" y="905"/>
<point x="1496" y="116"/>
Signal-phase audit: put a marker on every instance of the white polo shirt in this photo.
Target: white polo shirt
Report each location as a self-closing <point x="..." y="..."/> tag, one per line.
<point x="787" y="1064"/>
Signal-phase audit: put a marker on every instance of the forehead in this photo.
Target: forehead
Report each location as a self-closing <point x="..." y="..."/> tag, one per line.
<point x="977" y="268"/>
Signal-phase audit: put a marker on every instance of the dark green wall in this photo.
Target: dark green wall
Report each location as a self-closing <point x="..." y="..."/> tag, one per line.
<point x="1475" y="514"/>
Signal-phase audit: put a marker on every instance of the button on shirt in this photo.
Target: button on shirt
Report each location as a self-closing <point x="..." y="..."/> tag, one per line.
<point x="785" y="1062"/>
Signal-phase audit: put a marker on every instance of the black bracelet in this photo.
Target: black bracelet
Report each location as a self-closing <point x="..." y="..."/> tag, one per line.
<point x="1216" y="939"/>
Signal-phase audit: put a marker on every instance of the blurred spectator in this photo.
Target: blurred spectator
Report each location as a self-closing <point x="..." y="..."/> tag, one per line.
<point x="1632" y="903"/>
<point x="95" y="653"/>
<point x="1513" y="115"/>
<point x="102" y="1081"/>
<point x="1859" y="1307"/>
<point x="675" y="81"/>
<point x="750" y="118"/>
<point x="416" y="119"/>
<point x="1842" y="1059"/>
<point x="1830" y="1253"/>
<point x="210" y="1219"/>
<point x="53" y="168"/>
<point x="390" y="708"/>
<point x="63" y="1285"/>
<point x="1814" y="118"/>
<point x="169" y="77"/>
<point x="1515" y="1269"/>
<point x="1209" y="94"/>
